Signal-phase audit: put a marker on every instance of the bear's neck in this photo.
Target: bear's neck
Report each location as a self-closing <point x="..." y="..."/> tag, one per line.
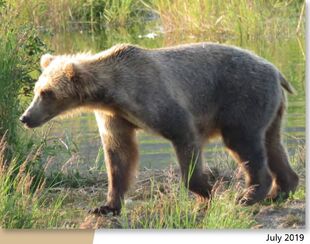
<point x="102" y="85"/>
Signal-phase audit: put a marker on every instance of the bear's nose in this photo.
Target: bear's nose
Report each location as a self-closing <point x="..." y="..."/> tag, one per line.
<point x="24" y="119"/>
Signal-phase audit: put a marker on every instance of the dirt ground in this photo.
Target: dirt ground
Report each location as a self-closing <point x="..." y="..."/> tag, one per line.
<point x="289" y="216"/>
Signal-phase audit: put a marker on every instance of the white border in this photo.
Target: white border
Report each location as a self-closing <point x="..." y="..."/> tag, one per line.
<point x="193" y="236"/>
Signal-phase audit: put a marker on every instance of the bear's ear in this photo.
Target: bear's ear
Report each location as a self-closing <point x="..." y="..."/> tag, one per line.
<point x="46" y="59"/>
<point x="70" y="71"/>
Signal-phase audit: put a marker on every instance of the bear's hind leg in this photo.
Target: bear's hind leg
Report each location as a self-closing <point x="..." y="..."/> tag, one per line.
<point x="285" y="178"/>
<point x="193" y="175"/>
<point x="249" y="150"/>
<point x="121" y="157"/>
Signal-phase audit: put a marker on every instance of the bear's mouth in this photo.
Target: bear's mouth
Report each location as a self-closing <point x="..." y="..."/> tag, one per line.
<point x="30" y="123"/>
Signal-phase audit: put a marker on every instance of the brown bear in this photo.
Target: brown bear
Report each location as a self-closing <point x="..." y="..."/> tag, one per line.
<point x="187" y="94"/>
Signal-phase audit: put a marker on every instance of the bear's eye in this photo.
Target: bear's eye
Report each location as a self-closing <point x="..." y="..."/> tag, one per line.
<point x="47" y="94"/>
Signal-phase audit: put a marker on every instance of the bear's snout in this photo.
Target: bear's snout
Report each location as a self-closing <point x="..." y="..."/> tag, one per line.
<point x="24" y="119"/>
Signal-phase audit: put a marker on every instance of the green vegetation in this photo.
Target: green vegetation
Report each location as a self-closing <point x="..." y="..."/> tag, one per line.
<point x="19" y="50"/>
<point x="246" y="20"/>
<point x="168" y="205"/>
<point x="23" y="196"/>
<point x="70" y="14"/>
<point x="34" y="193"/>
<point x="22" y="187"/>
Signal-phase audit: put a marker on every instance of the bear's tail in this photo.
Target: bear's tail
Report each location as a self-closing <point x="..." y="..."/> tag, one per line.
<point x="286" y="85"/>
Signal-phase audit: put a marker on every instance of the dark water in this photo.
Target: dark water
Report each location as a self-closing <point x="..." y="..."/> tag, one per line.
<point x="78" y="137"/>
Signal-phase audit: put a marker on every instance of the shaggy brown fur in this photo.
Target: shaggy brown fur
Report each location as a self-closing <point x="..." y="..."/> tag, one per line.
<point x="186" y="94"/>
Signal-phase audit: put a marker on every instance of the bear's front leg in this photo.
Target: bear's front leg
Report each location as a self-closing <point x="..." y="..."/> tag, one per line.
<point x="121" y="157"/>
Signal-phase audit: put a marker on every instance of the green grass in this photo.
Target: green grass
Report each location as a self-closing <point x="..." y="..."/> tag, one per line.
<point x="23" y="196"/>
<point x="177" y="209"/>
<point x="9" y="105"/>
<point x="80" y="14"/>
<point x="19" y="50"/>
<point x="247" y="20"/>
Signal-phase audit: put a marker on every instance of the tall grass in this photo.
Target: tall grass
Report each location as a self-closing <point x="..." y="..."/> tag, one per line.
<point x="82" y="14"/>
<point x="247" y="19"/>
<point x="22" y="185"/>
<point x="9" y="104"/>
<point x="19" y="50"/>
<point x="242" y="19"/>
<point x="23" y="196"/>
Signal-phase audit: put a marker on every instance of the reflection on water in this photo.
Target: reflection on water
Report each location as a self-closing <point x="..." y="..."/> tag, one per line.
<point x="81" y="133"/>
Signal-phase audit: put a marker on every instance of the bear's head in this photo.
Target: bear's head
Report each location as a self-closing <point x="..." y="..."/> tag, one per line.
<point x="58" y="90"/>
